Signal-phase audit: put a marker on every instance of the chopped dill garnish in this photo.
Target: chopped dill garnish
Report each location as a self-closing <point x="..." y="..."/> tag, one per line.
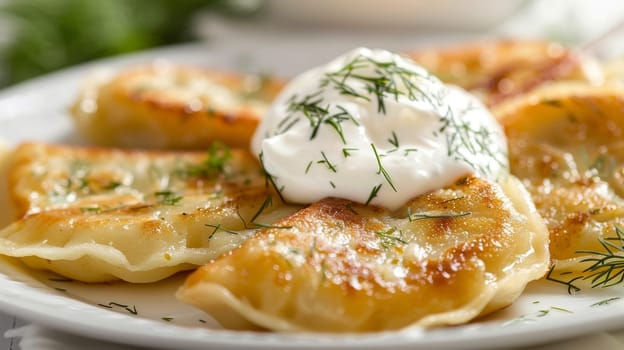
<point x="381" y="169"/>
<point x="167" y="197"/>
<point x="466" y="141"/>
<point x="217" y="228"/>
<point x="270" y="178"/>
<point x="91" y="209"/>
<point x="606" y="267"/>
<point x="330" y="166"/>
<point x="349" y="207"/>
<point x="346" y="152"/>
<point x="168" y="319"/>
<point x="407" y="151"/>
<point x="387" y="238"/>
<point x="542" y="313"/>
<point x="317" y="114"/>
<point x="308" y="167"/>
<point x="604" y="302"/>
<point x="373" y="194"/>
<point x="388" y="80"/>
<point x="214" y="164"/>
<point x="429" y="215"/>
<point x="268" y="201"/>
<point x="112" y="185"/>
<point x="561" y="309"/>
<point x="332" y="184"/>
<point x="394" y="141"/>
<point x="112" y="304"/>
<point x="570" y="283"/>
<point x="260" y="225"/>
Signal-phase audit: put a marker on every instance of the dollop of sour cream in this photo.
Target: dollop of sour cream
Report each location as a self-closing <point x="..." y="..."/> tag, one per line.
<point x="374" y="127"/>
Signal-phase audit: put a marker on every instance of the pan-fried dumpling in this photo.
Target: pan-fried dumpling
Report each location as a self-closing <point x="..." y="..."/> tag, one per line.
<point x="500" y="69"/>
<point x="444" y="258"/>
<point x="567" y="146"/>
<point x="169" y="106"/>
<point x="7" y="214"/>
<point x="98" y="215"/>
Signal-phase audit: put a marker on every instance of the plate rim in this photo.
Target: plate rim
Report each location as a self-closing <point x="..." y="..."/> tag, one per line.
<point x="71" y="322"/>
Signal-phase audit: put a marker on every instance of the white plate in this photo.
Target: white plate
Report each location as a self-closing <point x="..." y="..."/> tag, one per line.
<point x="37" y="110"/>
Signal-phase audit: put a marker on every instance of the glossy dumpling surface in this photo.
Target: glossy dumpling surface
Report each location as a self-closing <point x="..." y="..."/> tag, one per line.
<point x="567" y="146"/>
<point x="98" y="215"/>
<point x="336" y="266"/>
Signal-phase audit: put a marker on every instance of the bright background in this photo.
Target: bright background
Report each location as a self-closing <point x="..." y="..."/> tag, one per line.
<point x="40" y="36"/>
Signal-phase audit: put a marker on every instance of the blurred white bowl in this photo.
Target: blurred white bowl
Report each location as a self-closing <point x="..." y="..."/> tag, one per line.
<point x="431" y="14"/>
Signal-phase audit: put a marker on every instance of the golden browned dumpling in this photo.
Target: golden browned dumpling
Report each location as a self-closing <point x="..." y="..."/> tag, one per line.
<point x="167" y="106"/>
<point x="498" y="70"/>
<point x="444" y="258"/>
<point x="7" y="215"/>
<point x="567" y="146"/>
<point x="98" y="215"/>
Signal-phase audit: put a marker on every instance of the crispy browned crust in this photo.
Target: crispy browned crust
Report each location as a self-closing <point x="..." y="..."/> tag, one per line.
<point x="42" y="176"/>
<point x="498" y="70"/>
<point x="95" y="214"/>
<point x="568" y="148"/>
<point x="152" y="107"/>
<point x="339" y="266"/>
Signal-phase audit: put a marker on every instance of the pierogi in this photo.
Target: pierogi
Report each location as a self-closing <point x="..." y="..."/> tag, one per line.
<point x="444" y="258"/>
<point x="97" y="215"/>
<point x="566" y="145"/>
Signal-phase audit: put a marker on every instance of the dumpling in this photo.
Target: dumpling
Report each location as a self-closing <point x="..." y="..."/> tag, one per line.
<point x="7" y="214"/>
<point x="567" y="146"/>
<point x="173" y="107"/>
<point x="337" y="266"/>
<point x="500" y="69"/>
<point x="98" y="215"/>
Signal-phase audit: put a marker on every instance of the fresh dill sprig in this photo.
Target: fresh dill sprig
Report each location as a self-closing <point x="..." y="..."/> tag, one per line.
<point x="388" y="79"/>
<point x="316" y="114"/>
<point x="466" y="141"/>
<point x="373" y="194"/>
<point x="381" y="169"/>
<point x="388" y="239"/>
<point x="214" y="165"/>
<point x="217" y="228"/>
<point x="430" y="215"/>
<point x="167" y="197"/>
<point x="330" y="166"/>
<point x="394" y="140"/>
<point x="572" y="288"/>
<point x="349" y="207"/>
<point x="278" y="227"/>
<point x="112" y="304"/>
<point x="346" y="152"/>
<point x="91" y="209"/>
<point x="606" y="267"/>
<point x="270" y="178"/>
<point x="268" y="201"/>
<point x="605" y="301"/>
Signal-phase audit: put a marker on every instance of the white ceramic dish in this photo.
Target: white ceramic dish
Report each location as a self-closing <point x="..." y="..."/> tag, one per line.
<point x="149" y="315"/>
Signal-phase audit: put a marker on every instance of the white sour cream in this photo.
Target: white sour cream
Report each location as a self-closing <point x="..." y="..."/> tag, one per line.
<point x="374" y="127"/>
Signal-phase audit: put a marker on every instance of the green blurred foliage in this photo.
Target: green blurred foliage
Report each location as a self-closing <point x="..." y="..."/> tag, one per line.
<point x="51" y="34"/>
